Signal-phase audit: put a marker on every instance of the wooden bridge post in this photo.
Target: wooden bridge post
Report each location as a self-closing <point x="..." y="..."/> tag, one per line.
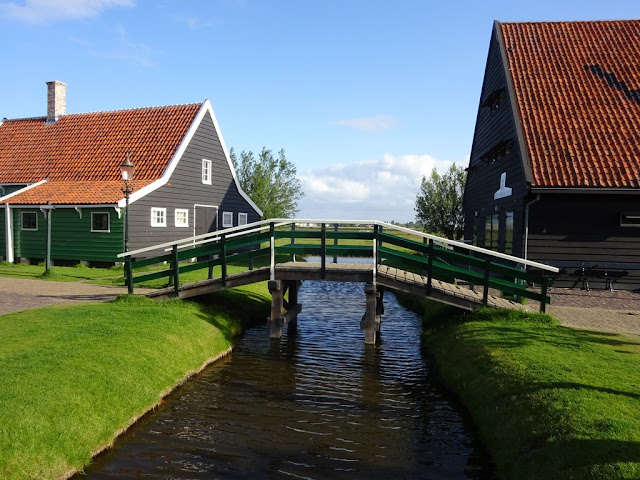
<point x="128" y="275"/>
<point x="277" y="302"/>
<point x="430" y="267"/>
<point x="293" y="242"/>
<point x="335" y="243"/>
<point x="272" y="252"/>
<point x="375" y="255"/>
<point x="323" y="251"/>
<point x="487" y="271"/>
<point x="543" y="292"/>
<point x="174" y="270"/>
<point x="371" y="321"/>
<point x="223" y="258"/>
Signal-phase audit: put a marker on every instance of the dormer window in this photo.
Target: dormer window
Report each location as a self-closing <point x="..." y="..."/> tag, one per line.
<point x="495" y="99"/>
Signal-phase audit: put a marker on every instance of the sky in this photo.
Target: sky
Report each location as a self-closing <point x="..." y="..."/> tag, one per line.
<point x="364" y="96"/>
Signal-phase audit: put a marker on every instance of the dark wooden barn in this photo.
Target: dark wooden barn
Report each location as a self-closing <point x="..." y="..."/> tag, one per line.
<point x="554" y="173"/>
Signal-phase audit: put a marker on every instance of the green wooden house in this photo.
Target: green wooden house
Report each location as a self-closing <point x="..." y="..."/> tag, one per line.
<point x="61" y="173"/>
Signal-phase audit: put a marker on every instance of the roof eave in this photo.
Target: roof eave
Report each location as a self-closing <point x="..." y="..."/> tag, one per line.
<point x="588" y="190"/>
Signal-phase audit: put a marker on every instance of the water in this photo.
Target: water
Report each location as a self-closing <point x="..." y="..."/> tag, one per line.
<point x="317" y="404"/>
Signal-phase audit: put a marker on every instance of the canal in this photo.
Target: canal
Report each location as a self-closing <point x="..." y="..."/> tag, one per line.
<point x="317" y="404"/>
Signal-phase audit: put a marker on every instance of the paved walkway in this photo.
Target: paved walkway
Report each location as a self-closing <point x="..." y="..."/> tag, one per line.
<point x="20" y="294"/>
<point x="617" y="311"/>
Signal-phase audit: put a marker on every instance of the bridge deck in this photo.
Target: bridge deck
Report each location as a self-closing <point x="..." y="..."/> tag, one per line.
<point x="457" y="295"/>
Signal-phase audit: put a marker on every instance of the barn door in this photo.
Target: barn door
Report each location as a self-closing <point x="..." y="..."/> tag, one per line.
<point x="206" y="219"/>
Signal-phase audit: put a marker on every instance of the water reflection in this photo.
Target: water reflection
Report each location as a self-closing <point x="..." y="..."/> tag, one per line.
<point x="316" y="404"/>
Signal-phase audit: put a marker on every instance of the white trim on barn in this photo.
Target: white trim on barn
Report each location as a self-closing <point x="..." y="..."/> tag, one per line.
<point x="204" y="109"/>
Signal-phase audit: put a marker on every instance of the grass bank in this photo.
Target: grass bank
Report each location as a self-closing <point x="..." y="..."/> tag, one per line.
<point x="549" y="401"/>
<point x="72" y="378"/>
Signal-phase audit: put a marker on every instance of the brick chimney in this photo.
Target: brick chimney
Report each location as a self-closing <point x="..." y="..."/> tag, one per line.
<point x="56" y="100"/>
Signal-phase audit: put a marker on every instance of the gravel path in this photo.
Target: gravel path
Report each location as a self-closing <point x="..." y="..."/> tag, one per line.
<point x="20" y="294"/>
<point x="617" y="311"/>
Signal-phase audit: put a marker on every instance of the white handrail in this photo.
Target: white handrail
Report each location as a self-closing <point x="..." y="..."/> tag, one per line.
<point x="279" y="222"/>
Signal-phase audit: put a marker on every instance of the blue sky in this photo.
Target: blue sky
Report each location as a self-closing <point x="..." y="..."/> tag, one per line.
<point x="365" y="96"/>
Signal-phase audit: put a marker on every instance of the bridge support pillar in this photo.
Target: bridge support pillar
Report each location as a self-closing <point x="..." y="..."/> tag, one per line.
<point x="371" y="320"/>
<point x="277" y="320"/>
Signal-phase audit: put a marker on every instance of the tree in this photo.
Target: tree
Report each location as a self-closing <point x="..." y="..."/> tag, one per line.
<point x="439" y="202"/>
<point x="269" y="181"/>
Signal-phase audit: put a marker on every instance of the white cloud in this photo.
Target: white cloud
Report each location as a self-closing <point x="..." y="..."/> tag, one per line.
<point x="382" y="189"/>
<point x="197" y="23"/>
<point x="46" y="11"/>
<point x="377" y="123"/>
<point x="127" y="50"/>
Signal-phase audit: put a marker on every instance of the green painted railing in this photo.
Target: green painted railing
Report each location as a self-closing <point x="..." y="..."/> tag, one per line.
<point x="279" y="240"/>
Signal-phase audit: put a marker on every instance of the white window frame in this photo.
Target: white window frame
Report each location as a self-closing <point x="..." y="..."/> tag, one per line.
<point x="22" y="221"/>
<point x="175" y="217"/>
<point x="206" y="171"/>
<point x="243" y="219"/>
<point x="154" y="218"/>
<point x="227" y="216"/>
<point x="108" y="230"/>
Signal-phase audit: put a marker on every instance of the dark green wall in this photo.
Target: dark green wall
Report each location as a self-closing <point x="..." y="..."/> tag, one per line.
<point x="72" y="238"/>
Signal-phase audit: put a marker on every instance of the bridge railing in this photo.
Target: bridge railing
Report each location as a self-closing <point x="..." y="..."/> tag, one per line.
<point x="277" y="240"/>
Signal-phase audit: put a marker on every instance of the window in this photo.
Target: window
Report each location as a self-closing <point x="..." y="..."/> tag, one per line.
<point x="476" y="229"/>
<point x="29" y="221"/>
<point x="158" y="217"/>
<point x="491" y="231"/>
<point x="206" y="171"/>
<point x="100" y="222"/>
<point x="630" y="219"/>
<point x="227" y="219"/>
<point x="508" y="233"/>
<point x="242" y="219"/>
<point x="181" y="217"/>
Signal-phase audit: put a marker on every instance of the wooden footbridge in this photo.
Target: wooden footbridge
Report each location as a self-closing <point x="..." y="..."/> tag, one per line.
<point x="444" y="270"/>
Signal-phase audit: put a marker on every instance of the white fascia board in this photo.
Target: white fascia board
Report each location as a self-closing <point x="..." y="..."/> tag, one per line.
<point x="204" y="109"/>
<point x="226" y="155"/>
<point x="22" y="190"/>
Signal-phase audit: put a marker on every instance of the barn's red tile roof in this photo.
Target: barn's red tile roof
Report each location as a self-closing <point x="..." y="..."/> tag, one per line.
<point x="80" y="154"/>
<point x="577" y="86"/>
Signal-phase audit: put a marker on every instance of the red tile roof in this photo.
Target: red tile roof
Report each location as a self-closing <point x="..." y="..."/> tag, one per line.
<point x="577" y="86"/>
<point x="75" y="193"/>
<point x="80" y="153"/>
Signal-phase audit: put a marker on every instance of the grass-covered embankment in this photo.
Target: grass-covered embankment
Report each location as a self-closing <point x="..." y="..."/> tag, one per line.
<point x="549" y="401"/>
<point x="73" y="377"/>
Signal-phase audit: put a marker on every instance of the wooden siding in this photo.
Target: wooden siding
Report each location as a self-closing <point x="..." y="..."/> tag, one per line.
<point x="494" y="127"/>
<point x="571" y="228"/>
<point x="71" y="236"/>
<point x="185" y="189"/>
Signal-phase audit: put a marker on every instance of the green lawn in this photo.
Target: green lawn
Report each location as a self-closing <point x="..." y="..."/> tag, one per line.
<point x="549" y="401"/>
<point x="72" y="377"/>
<point x="59" y="274"/>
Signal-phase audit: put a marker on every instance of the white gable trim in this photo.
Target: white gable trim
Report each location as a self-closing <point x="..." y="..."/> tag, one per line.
<point x="22" y="190"/>
<point x="204" y="109"/>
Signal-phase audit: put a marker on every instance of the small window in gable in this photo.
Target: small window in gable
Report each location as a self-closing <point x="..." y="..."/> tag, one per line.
<point x="242" y="219"/>
<point x="158" y="217"/>
<point x="181" y="217"/>
<point x="501" y="150"/>
<point x="227" y="219"/>
<point x="29" y="221"/>
<point x="495" y="99"/>
<point x="206" y="171"/>
<point x="100" y="222"/>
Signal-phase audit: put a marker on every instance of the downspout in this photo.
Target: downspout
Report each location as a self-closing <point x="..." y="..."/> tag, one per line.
<point x="526" y="224"/>
<point x="8" y="224"/>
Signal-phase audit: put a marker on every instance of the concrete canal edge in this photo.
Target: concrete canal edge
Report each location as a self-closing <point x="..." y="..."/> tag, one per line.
<point x="164" y="394"/>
